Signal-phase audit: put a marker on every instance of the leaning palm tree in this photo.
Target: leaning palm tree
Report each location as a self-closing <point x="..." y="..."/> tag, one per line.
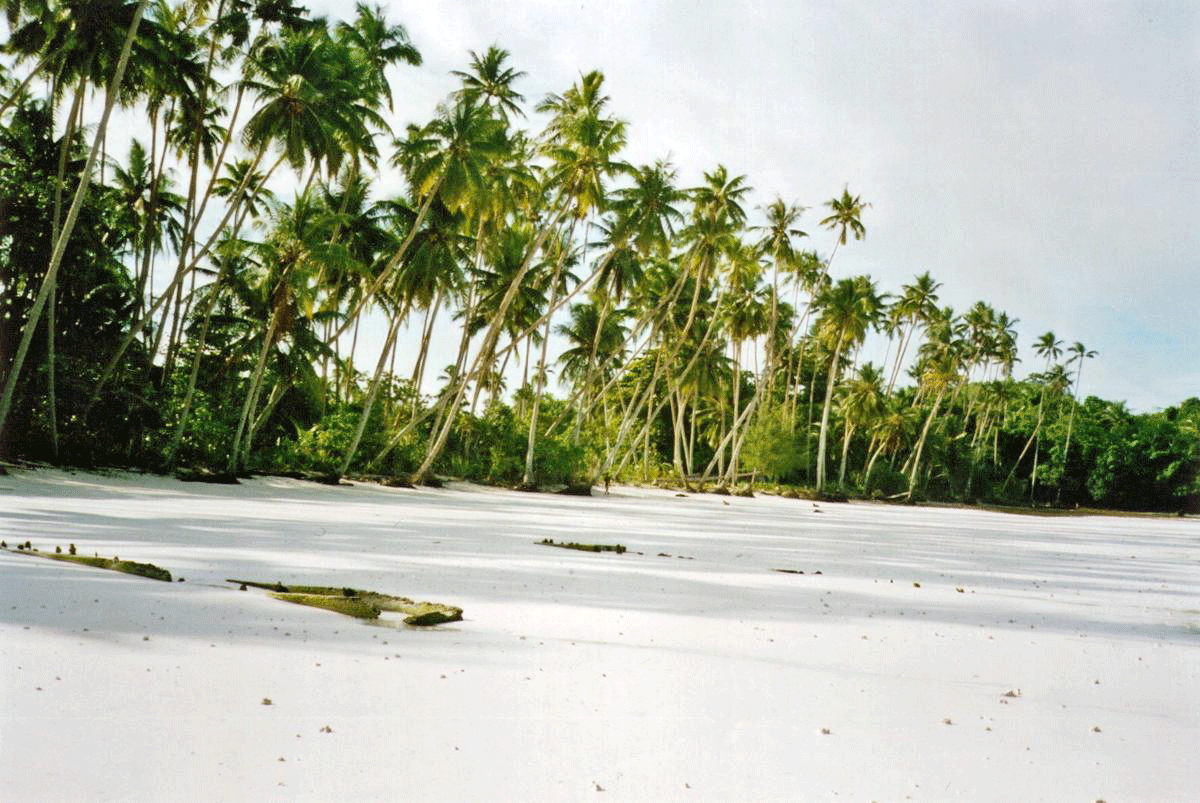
<point x="583" y="148"/>
<point x="1079" y="353"/>
<point x="862" y="406"/>
<point x="939" y="371"/>
<point x="64" y="234"/>
<point x="849" y="310"/>
<point x="778" y="243"/>
<point x="916" y="306"/>
<point x="1050" y="348"/>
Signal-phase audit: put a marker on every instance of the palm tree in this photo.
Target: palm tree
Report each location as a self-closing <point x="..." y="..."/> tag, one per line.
<point x="583" y="146"/>
<point x="308" y="105"/>
<point x="118" y="73"/>
<point x="289" y="260"/>
<point x="778" y="243"/>
<point x="845" y="218"/>
<point x="862" y="406"/>
<point x="916" y="305"/>
<point x="942" y="358"/>
<point x="1050" y="348"/>
<point x="1079" y="353"/>
<point x="490" y="82"/>
<point x="447" y="160"/>
<point x="848" y="310"/>
<point x="745" y="318"/>
<point x="376" y="46"/>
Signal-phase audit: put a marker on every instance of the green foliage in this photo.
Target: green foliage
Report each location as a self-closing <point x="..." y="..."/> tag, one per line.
<point x="320" y="447"/>
<point x="248" y="360"/>
<point x="772" y="447"/>
<point x="887" y="481"/>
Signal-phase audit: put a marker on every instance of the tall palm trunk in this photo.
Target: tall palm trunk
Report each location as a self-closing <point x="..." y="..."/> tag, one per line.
<point x="388" y="344"/>
<point x="830" y="382"/>
<point x="60" y="245"/>
<point x="168" y="293"/>
<point x="256" y="378"/>
<point x="34" y="73"/>
<point x="916" y="462"/>
<point x="540" y="377"/>
<point x="847" y="434"/>
<point x="488" y="346"/>
<point x="731" y="477"/>
<point x="73" y="120"/>
<point x="185" y="412"/>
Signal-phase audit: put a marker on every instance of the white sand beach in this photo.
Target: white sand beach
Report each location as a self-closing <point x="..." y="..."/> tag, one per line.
<point x="923" y="654"/>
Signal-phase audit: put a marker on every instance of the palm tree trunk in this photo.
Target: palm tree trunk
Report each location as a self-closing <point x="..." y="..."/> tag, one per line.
<point x="731" y="478"/>
<point x="676" y="406"/>
<point x="51" y="301"/>
<point x="619" y="443"/>
<point x="1070" y="426"/>
<point x="11" y="99"/>
<point x="1032" y="439"/>
<point x="195" y="373"/>
<point x="255" y="384"/>
<point x="846" y="436"/>
<point x="830" y="382"/>
<point x="870" y="465"/>
<point x="916" y="463"/>
<point x="176" y="281"/>
<point x="388" y="344"/>
<point x="489" y="344"/>
<point x="540" y="378"/>
<point x="60" y="245"/>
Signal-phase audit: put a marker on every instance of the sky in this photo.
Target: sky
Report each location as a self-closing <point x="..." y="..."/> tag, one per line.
<point x="1043" y="157"/>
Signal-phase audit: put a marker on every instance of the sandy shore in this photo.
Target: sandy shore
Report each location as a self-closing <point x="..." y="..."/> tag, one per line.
<point x="923" y="654"/>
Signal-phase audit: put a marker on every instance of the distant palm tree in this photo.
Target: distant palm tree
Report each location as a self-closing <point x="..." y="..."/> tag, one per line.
<point x="849" y="310"/>
<point x="862" y="405"/>
<point x="376" y="46"/>
<point x="1050" y="348"/>
<point x="941" y="366"/>
<point x="845" y="218"/>
<point x="490" y="82"/>
<point x="1079" y="353"/>
<point x="916" y="305"/>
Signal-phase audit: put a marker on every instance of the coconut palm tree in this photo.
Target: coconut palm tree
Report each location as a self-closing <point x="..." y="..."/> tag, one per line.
<point x="490" y="82"/>
<point x="862" y="406"/>
<point x="778" y="244"/>
<point x="114" y="85"/>
<point x="940" y="370"/>
<point x="845" y="218"/>
<point x="849" y="309"/>
<point x="1050" y="348"/>
<point x="583" y="146"/>
<point x="916" y="305"/>
<point x="288" y="262"/>
<point x="1079" y="353"/>
<point x="377" y="46"/>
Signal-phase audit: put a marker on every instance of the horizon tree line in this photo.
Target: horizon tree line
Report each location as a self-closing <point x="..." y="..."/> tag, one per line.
<point x="169" y="306"/>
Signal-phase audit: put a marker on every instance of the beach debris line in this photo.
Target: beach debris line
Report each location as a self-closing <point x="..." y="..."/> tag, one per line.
<point x="358" y="603"/>
<point x="114" y="563"/>
<point x="618" y="548"/>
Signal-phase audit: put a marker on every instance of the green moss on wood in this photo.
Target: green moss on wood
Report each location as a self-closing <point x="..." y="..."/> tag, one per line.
<point x="360" y="604"/>
<point x="114" y="564"/>
<point x="618" y="548"/>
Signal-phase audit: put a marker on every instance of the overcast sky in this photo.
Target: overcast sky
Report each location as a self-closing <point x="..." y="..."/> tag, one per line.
<point x="1043" y="157"/>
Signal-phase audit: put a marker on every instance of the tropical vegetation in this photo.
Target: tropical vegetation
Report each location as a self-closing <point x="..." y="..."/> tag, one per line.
<point x="194" y="296"/>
